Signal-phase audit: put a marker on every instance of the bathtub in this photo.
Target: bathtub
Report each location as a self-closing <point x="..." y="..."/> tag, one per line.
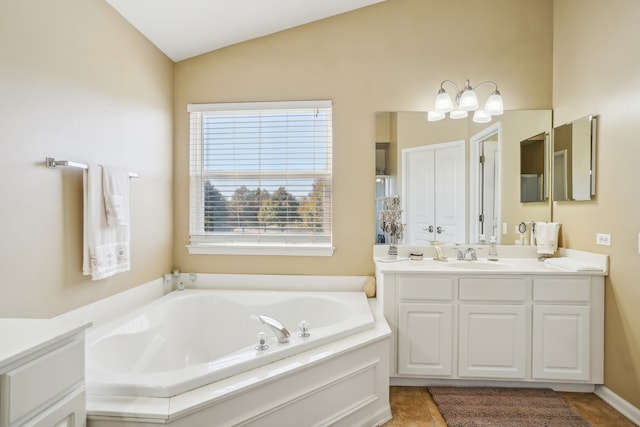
<point x="189" y="359"/>
<point x="190" y="338"/>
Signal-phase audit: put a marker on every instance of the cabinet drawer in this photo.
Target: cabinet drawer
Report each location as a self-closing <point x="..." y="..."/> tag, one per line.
<point x="431" y="288"/>
<point x="493" y="289"/>
<point x="41" y="380"/>
<point x="562" y="290"/>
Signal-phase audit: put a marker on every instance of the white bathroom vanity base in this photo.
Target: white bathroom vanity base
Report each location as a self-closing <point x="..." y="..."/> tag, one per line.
<point x="521" y="323"/>
<point x="42" y="373"/>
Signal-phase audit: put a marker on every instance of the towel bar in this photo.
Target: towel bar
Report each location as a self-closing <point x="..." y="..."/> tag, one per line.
<point x="52" y="163"/>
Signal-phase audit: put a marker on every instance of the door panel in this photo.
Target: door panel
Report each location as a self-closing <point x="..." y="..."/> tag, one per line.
<point x="433" y="191"/>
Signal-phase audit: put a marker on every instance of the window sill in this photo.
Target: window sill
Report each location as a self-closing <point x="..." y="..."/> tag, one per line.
<point x="274" y="250"/>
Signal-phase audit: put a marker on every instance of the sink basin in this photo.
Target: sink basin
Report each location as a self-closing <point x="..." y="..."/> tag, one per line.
<point x="480" y="265"/>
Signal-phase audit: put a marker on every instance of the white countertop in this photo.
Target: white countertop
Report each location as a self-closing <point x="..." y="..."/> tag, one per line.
<point x="18" y="337"/>
<point x="502" y="267"/>
<point x="526" y="263"/>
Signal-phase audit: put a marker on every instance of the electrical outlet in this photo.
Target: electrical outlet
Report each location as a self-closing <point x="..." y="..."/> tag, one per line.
<point x="504" y="228"/>
<point x="639" y="243"/>
<point x="603" y="239"/>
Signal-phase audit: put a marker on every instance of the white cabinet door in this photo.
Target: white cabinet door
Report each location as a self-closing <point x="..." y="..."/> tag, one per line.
<point x="425" y="339"/>
<point x="433" y="193"/>
<point x="493" y="341"/>
<point x="561" y="345"/>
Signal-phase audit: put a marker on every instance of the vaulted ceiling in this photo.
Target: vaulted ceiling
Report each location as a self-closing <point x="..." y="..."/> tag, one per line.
<point x="186" y="28"/>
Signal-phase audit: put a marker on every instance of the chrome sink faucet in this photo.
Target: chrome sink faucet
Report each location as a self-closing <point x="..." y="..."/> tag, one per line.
<point x="468" y="255"/>
<point x="281" y="332"/>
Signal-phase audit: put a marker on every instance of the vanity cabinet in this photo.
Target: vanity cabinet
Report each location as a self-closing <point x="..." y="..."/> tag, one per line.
<point x="493" y="332"/>
<point x="492" y="341"/>
<point x="42" y="373"/>
<point x="425" y="344"/>
<point x="425" y="326"/>
<point x="525" y="327"/>
<point x="561" y="329"/>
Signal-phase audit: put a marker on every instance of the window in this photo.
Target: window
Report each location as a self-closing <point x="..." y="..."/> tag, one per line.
<point x="260" y="178"/>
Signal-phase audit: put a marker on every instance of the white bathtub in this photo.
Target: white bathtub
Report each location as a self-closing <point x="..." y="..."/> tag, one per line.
<point x="187" y="359"/>
<point x="190" y="338"/>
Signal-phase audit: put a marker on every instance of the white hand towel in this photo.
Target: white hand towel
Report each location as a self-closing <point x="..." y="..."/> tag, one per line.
<point x="547" y="237"/>
<point x="115" y="186"/>
<point x="106" y="248"/>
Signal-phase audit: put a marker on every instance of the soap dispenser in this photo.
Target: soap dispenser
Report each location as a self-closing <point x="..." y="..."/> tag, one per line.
<point x="493" y="249"/>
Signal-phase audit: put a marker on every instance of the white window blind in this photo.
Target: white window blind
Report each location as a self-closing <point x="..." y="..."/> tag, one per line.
<point x="260" y="177"/>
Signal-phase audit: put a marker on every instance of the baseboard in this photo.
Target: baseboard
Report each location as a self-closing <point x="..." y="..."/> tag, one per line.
<point x="426" y="382"/>
<point x="621" y="405"/>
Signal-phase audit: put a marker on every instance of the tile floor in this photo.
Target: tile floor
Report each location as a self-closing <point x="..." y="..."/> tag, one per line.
<point x="413" y="407"/>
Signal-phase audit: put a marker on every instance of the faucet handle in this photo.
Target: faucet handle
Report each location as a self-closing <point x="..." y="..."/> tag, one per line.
<point x="303" y="326"/>
<point x="262" y="342"/>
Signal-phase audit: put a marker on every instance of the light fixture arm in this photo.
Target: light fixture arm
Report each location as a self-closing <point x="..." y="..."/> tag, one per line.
<point x="467" y="86"/>
<point x="486" y="83"/>
<point x="458" y="91"/>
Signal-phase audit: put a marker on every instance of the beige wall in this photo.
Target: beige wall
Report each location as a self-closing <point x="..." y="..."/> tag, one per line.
<point x="387" y="57"/>
<point x="597" y="71"/>
<point x="77" y="82"/>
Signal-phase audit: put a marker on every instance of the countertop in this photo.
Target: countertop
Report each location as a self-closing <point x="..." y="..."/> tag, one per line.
<point x="514" y="263"/>
<point x="19" y="337"/>
<point x="508" y="266"/>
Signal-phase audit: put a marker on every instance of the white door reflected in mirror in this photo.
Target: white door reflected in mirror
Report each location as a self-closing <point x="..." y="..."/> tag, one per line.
<point x="433" y="193"/>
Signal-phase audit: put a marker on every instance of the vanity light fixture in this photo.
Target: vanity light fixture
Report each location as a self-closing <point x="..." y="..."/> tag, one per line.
<point x="466" y="100"/>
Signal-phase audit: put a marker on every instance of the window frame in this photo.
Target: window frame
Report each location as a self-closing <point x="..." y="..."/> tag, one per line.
<point x="202" y="242"/>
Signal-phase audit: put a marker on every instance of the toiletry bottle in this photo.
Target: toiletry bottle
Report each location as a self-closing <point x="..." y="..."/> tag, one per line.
<point x="493" y="249"/>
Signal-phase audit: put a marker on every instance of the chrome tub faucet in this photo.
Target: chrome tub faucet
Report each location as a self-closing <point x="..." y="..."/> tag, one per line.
<point x="281" y="332"/>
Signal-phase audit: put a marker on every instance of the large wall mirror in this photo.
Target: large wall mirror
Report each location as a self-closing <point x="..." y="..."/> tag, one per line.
<point x="462" y="179"/>
<point x="574" y="160"/>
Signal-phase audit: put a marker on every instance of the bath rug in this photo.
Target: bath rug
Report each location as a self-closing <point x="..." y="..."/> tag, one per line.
<point x="504" y="407"/>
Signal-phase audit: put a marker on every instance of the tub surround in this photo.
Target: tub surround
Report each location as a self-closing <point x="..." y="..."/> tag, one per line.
<point x="107" y="309"/>
<point x="473" y="322"/>
<point x="42" y="372"/>
<point x="311" y="384"/>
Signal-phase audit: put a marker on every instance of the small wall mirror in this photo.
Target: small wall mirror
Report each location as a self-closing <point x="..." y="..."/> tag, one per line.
<point x="534" y="165"/>
<point x="574" y="160"/>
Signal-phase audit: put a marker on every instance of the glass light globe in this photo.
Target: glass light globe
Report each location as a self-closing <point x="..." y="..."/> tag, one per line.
<point x="494" y="105"/>
<point x="468" y="100"/>
<point x="458" y="114"/>
<point x="481" y="116"/>
<point x="434" y="116"/>
<point x="443" y="104"/>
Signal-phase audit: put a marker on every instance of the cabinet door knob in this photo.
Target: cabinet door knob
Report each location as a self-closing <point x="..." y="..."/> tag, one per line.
<point x="439" y="230"/>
